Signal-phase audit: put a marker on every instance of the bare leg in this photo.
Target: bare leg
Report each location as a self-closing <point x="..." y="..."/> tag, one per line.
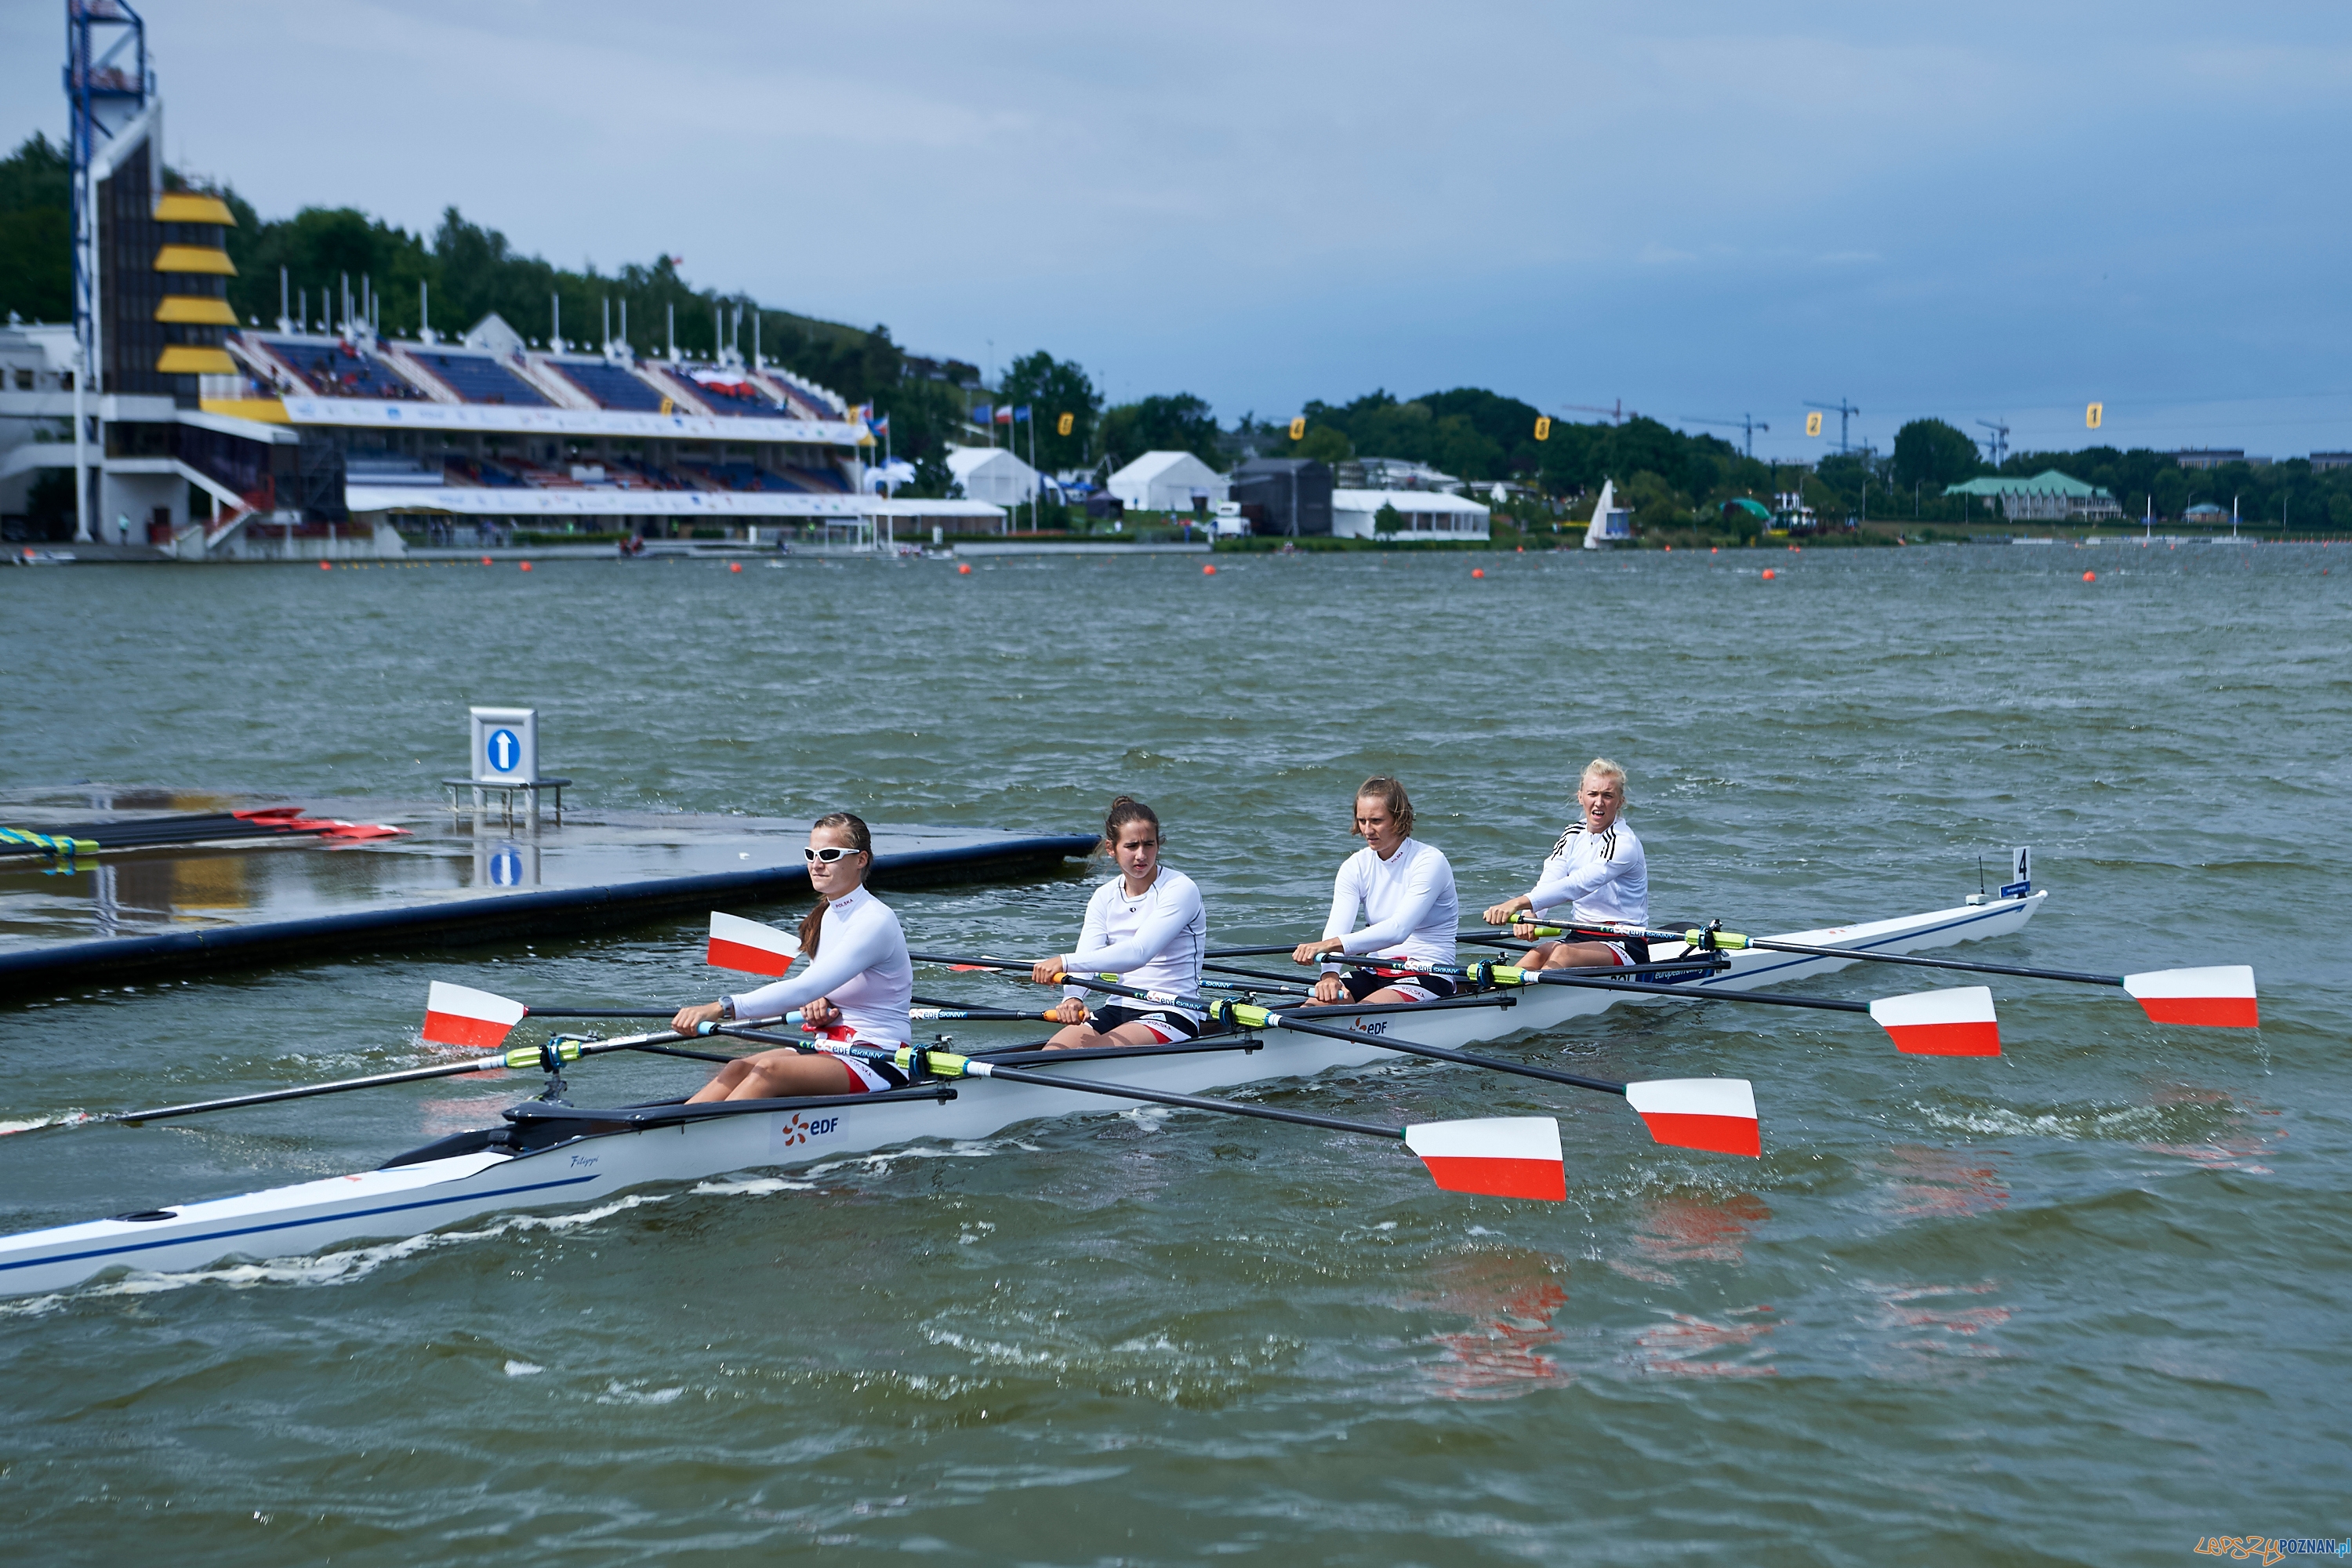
<point x="1569" y="955"/>
<point x="778" y="1075"/>
<point x="1079" y="1037"/>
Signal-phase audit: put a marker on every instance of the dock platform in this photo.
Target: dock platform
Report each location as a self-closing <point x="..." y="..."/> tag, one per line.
<point x="449" y="881"/>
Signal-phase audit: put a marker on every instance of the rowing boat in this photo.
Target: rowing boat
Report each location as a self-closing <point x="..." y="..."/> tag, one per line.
<point x="552" y="1154"/>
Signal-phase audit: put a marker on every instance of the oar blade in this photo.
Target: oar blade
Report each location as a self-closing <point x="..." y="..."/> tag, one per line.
<point x="461" y="1015"/>
<point x="1956" y="1021"/>
<point x="1498" y="1157"/>
<point x="749" y="946"/>
<point x="2220" y="997"/>
<point x="1716" y="1114"/>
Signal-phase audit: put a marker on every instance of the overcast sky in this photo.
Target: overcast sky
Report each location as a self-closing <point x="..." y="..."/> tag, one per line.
<point x="1998" y="211"/>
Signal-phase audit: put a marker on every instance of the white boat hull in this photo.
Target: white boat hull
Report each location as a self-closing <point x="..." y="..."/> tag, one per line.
<point x="409" y="1200"/>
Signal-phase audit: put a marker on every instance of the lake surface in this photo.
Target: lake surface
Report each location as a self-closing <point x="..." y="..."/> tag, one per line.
<point x="2084" y="1302"/>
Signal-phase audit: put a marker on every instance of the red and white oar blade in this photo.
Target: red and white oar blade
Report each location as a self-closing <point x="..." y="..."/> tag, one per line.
<point x="2221" y="997"/>
<point x="1717" y="1114"/>
<point x="461" y="1015"/>
<point x="1956" y="1021"/>
<point x="749" y="946"/>
<point x="1502" y="1157"/>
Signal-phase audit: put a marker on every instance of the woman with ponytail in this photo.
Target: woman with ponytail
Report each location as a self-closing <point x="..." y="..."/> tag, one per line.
<point x="857" y="986"/>
<point x="1145" y="926"/>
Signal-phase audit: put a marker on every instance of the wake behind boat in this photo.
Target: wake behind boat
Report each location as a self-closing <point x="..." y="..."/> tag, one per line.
<point x="552" y="1154"/>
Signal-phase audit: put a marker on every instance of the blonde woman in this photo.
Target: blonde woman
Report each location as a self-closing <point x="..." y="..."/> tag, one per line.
<point x="1595" y="873"/>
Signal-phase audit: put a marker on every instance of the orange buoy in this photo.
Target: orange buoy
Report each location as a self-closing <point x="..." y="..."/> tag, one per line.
<point x="1523" y="550"/>
<point x="526" y="566"/>
<point x="2090" y="576"/>
<point x="485" y="561"/>
<point x="1209" y="570"/>
<point x="1714" y="549"/>
<point x="1794" y="548"/>
<point x="1670" y="550"/>
<point x="964" y="570"/>
<point x="1478" y="571"/>
<point x="326" y="567"/>
<point x="1767" y="573"/>
<point x="734" y="566"/>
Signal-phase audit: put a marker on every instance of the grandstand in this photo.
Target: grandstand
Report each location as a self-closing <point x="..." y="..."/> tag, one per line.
<point x="478" y="378"/>
<point x="336" y="367"/>
<point x="609" y="385"/>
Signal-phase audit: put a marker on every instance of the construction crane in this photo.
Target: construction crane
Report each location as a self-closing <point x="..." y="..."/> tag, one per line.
<point x="1998" y="442"/>
<point x="1844" y="412"/>
<point x="1617" y="412"/>
<point x="1747" y="423"/>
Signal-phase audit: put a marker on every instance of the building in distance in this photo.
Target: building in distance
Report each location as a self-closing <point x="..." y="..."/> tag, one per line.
<point x="2048" y="497"/>
<point x="1168" y="481"/>
<point x="1286" y="496"/>
<point x="1422" y="514"/>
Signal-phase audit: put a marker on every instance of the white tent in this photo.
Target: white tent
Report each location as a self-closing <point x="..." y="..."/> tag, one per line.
<point x="1426" y="514"/>
<point x="1168" y="481"/>
<point x="993" y="474"/>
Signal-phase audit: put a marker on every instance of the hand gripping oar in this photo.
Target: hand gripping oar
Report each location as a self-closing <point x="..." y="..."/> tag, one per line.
<point x="1717" y="1114"/>
<point x="1956" y="1021"/>
<point x="2220" y="996"/>
<point x="1503" y="1157"/>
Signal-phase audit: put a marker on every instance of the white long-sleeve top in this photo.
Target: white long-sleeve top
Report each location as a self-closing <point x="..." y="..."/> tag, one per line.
<point x="1408" y="902"/>
<point x="1598" y="876"/>
<point x="861" y="966"/>
<point x="1154" y="942"/>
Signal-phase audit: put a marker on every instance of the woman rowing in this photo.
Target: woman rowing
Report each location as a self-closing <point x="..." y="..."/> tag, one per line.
<point x="1145" y="926"/>
<point x="1595" y="872"/>
<point x="856" y="988"/>
<point x="1405" y="892"/>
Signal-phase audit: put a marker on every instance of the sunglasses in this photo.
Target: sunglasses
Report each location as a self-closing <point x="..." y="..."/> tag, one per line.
<point x="829" y="854"/>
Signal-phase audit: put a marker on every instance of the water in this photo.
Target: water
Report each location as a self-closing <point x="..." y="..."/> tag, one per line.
<point x="2080" y="1303"/>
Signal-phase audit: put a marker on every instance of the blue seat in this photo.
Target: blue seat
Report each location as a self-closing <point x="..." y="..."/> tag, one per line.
<point x="612" y="387"/>
<point x="478" y="378"/>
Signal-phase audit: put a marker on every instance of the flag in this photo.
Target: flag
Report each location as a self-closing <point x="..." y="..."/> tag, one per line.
<point x="747" y="945"/>
<point x="880" y="426"/>
<point x="1022" y="414"/>
<point x="980" y="415"/>
<point x="1005" y="413"/>
<point x="863" y="411"/>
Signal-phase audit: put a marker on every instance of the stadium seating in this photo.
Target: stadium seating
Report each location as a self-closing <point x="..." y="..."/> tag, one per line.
<point x="735" y="403"/>
<point x="340" y="369"/>
<point x="611" y="386"/>
<point x="478" y="378"/>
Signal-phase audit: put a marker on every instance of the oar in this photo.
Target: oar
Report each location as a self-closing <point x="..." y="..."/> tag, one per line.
<point x="1503" y="1157"/>
<point x="2219" y="996"/>
<point x="1958" y="1021"/>
<point x="551" y="1056"/>
<point x="1715" y="1114"/>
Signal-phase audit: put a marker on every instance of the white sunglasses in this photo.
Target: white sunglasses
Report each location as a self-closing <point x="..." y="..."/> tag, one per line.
<point x="829" y="854"/>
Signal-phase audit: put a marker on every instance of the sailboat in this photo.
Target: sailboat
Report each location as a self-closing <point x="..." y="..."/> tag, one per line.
<point x="1611" y="524"/>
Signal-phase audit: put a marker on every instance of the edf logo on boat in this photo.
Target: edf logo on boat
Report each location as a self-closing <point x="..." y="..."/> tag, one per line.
<point x="797" y="1129"/>
<point x="506" y="745"/>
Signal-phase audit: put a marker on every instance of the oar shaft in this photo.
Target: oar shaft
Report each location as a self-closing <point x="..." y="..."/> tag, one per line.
<point x="1189" y="1101"/>
<point x="1966" y="965"/>
<point x="1441" y="1054"/>
<point x="1692" y="993"/>
<point x="1261" y="1017"/>
<point x="520" y="1060"/>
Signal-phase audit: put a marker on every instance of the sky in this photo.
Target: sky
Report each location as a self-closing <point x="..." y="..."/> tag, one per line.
<point x="1692" y="208"/>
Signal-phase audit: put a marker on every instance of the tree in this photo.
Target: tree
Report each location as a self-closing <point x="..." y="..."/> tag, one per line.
<point x="1388" y="520"/>
<point x="1929" y="452"/>
<point x="1323" y="444"/>
<point x="1051" y="388"/>
<point x="36" y="232"/>
<point x="1179" y="424"/>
